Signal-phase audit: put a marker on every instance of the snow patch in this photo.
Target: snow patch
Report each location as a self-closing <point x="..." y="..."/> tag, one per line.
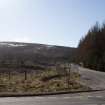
<point x="12" y="45"/>
<point x="49" y="46"/>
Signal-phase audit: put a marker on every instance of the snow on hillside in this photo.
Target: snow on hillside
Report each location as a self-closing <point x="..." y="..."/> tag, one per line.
<point x="11" y="44"/>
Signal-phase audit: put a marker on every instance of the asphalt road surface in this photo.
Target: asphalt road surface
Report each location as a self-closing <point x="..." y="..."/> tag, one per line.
<point x="94" y="98"/>
<point x="92" y="79"/>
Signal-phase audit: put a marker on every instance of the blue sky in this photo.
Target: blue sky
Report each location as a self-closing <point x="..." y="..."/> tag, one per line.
<point x="56" y="22"/>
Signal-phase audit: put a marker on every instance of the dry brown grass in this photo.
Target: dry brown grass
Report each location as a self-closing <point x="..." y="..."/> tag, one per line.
<point x="35" y="84"/>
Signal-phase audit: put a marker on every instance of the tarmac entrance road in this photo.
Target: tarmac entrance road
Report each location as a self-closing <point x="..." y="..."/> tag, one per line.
<point x="93" y="79"/>
<point x="90" y="78"/>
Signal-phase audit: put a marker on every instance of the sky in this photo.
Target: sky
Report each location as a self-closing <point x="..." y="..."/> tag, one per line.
<point x="54" y="22"/>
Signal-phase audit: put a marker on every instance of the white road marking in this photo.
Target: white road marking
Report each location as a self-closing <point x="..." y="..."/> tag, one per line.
<point x="90" y="96"/>
<point x="99" y="96"/>
<point x="52" y="97"/>
<point x="39" y="97"/>
<point x="67" y="97"/>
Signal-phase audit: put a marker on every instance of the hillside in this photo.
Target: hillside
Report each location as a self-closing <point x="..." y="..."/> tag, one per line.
<point x="15" y="53"/>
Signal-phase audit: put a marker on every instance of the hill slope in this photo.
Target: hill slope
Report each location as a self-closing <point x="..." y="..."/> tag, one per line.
<point x="30" y="53"/>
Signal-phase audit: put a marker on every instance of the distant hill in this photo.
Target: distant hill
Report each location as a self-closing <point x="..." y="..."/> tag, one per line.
<point x="16" y="53"/>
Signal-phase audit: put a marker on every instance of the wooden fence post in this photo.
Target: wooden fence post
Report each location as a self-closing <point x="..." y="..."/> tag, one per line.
<point x="25" y="73"/>
<point x="9" y="75"/>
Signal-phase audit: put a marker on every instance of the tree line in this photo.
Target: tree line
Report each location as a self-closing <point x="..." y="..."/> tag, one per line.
<point x="91" y="48"/>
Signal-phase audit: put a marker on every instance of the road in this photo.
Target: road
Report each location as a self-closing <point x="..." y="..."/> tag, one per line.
<point x="92" y="79"/>
<point x="94" y="98"/>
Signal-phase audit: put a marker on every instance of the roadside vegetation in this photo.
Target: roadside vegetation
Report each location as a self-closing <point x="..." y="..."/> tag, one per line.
<point x="41" y="81"/>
